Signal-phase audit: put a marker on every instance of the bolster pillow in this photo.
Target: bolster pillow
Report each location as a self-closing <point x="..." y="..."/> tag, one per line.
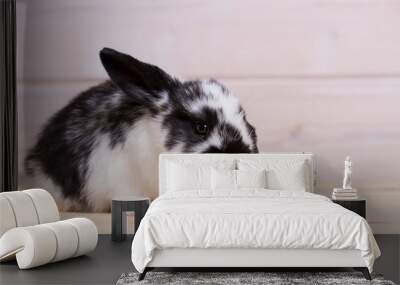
<point x="26" y="208"/>
<point x="51" y="242"/>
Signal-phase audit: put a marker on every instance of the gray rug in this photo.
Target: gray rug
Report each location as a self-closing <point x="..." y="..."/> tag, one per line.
<point x="269" y="278"/>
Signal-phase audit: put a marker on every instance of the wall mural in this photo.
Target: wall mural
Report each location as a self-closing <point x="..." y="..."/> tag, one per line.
<point x="106" y="141"/>
<point x="313" y="80"/>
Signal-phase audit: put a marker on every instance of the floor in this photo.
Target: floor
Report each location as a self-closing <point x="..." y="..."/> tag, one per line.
<point x="110" y="260"/>
<point x="103" y="266"/>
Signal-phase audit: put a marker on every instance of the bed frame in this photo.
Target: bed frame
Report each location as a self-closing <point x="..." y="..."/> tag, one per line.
<point x="249" y="259"/>
<point x="246" y="259"/>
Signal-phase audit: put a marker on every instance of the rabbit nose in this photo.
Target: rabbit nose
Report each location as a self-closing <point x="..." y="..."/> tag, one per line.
<point x="236" y="147"/>
<point x="213" y="149"/>
<point x="232" y="147"/>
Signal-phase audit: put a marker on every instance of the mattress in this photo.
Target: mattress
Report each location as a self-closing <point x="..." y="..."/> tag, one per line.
<point x="251" y="219"/>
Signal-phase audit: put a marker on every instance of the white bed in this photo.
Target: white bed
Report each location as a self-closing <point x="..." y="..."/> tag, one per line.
<point x="248" y="227"/>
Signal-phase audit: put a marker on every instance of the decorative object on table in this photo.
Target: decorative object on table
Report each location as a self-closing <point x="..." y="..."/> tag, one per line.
<point x="267" y="278"/>
<point x="347" y="192"/>
<point x="357" y="206"/>
<point x="347" y="173"/>
<point x="31" y="232"/>
<point x="122" y="211"/>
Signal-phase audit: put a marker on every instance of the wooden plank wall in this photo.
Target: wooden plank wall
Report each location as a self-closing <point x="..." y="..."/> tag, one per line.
<point x="313" y="75"/>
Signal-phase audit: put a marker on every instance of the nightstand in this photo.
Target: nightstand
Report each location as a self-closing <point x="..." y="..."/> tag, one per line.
<point x="119" y="208"/>
<point x="357" y="206"/>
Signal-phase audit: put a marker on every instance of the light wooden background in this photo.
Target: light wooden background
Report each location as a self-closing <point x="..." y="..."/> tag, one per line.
<point x="313" y="75"/>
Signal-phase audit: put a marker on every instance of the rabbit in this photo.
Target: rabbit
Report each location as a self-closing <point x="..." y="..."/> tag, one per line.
<point x="107" y="140"/>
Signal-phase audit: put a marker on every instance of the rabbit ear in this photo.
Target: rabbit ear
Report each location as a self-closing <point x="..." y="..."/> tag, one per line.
<point x="128" y="73"/>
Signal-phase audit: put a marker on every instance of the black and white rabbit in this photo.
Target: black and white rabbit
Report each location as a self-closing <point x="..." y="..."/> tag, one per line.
<point x="106" y="141"/>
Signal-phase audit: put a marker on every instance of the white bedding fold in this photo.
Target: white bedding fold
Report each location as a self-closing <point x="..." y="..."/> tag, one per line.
<point x="250" y="219"/>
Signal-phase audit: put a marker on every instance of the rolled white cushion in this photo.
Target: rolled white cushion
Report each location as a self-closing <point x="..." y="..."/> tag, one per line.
<point x="87" y="234"/>
<point x="67" y="240"/>
<point x="23" y="208"/>
<point x="34" y="245"/>
<point x="7" y="218"/>
<point x="26" y="208"/>
<point x="46" y="207"/>
<point x="41" y="244"/>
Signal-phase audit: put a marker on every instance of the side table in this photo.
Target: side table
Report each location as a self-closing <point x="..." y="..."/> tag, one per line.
<point x="119" y="207"/>
<point x="358" y="206"/>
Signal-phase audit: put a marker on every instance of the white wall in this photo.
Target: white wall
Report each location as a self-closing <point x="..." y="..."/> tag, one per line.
<point x="313" y="75"/>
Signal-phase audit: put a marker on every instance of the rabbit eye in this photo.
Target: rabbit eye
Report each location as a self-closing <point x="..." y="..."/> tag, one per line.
<point x="201" y="128"/>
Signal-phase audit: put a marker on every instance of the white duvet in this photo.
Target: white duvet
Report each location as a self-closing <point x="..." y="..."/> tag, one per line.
<point x="250" y="219"/>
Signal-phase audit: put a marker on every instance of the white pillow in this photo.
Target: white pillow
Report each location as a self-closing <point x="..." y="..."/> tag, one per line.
<point x="188" y="177"/>
<point x="225" y="179"/>
<point x="251" y="178"/>
<point x="193" y="174"/>
<point x="282" y="174"/>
